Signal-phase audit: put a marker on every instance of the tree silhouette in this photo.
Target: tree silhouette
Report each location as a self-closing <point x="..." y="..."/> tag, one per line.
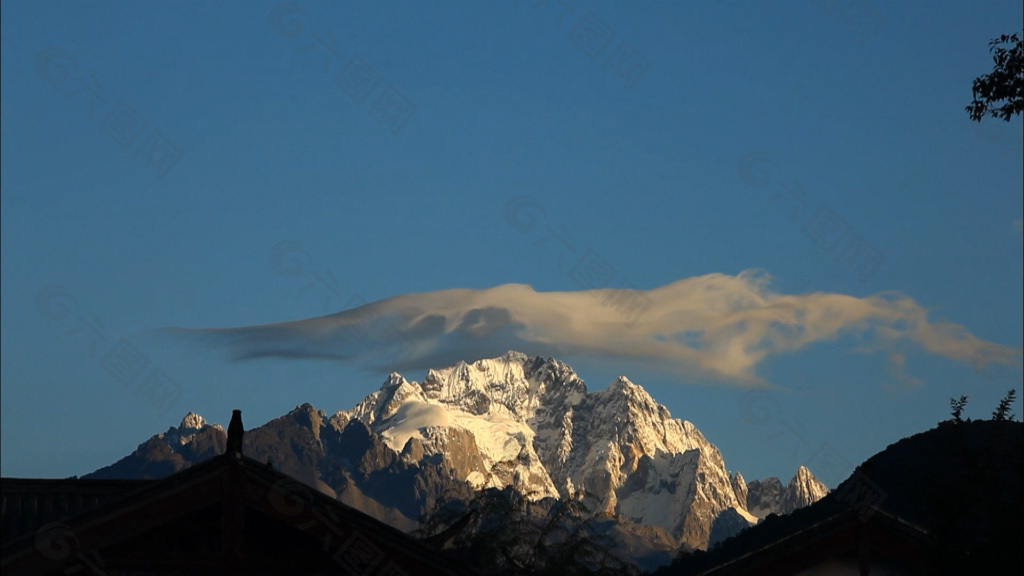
<point x="503" y="533"/>
<point x="1003" y="411"/>
<point x="957" y="407"/>
<point x="1004" y="84"/>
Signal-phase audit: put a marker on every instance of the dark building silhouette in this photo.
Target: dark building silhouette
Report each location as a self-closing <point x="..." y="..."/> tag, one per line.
<point x="235" y="433"/>
<point x="228" y="515"/>
<point x="857" y="542"/>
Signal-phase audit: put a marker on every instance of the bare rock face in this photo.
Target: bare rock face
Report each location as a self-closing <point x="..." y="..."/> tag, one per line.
<point x="739" y="487"/>
<point x="803" y="490"/>
<point x="726" y="524"/>
<point x="164" y="454"/>
<point x="764" y="496"/>
<point x="768" y="496"/>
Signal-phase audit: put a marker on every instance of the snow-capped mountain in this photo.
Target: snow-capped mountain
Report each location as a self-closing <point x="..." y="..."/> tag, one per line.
<point x="513" y="421"/>
<point x="531" y="424"/>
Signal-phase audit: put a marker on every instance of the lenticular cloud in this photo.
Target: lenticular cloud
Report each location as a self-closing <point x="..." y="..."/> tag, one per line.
<point x="715" y="326"/>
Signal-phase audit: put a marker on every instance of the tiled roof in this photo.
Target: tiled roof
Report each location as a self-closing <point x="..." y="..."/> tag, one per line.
<point x="105" y="516"/>
<point x="28" y="504"/>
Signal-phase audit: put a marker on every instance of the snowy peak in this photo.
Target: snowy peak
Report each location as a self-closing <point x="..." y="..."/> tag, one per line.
<point x="485" y="385"/>
<point x="396" y="392"/>
<point x="513" y="356"/>
<point x="475" y="414"/>
<point x="192" y="425"/>
<point x="392" y="381"/>
<point x="626" y="395"/>
<point x="192" y="421"/>
<point x="624" y="384"/>
<point x="623" y="388"/>
<point x="626" y="413"/>
<point x="381" y="404"/>
<point x="513" y="385"/>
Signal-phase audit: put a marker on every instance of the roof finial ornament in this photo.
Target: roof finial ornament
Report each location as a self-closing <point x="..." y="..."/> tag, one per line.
<point x="235" y="433"/>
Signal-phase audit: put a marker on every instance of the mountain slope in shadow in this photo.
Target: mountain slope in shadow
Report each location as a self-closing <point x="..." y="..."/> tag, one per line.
<point x="955" y="490"/>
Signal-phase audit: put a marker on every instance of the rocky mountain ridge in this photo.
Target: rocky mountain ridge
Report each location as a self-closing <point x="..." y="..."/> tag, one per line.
<point x="513" y="421"/>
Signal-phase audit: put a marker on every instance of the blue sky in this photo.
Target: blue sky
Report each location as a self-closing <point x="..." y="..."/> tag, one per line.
<point x="212" y="165"/>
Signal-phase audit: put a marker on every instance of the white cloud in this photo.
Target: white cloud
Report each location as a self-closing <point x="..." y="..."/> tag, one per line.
<point x="715" y="326"/>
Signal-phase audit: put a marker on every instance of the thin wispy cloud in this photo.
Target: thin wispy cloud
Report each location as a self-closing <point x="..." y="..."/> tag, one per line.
<point x="716" y="326"/>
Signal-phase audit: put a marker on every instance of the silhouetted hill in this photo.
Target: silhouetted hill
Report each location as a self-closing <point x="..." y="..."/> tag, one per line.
<point x="958" y="486"/>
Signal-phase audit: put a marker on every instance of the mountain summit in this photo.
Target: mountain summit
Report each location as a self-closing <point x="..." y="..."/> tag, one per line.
<point x="516" y="421"/>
